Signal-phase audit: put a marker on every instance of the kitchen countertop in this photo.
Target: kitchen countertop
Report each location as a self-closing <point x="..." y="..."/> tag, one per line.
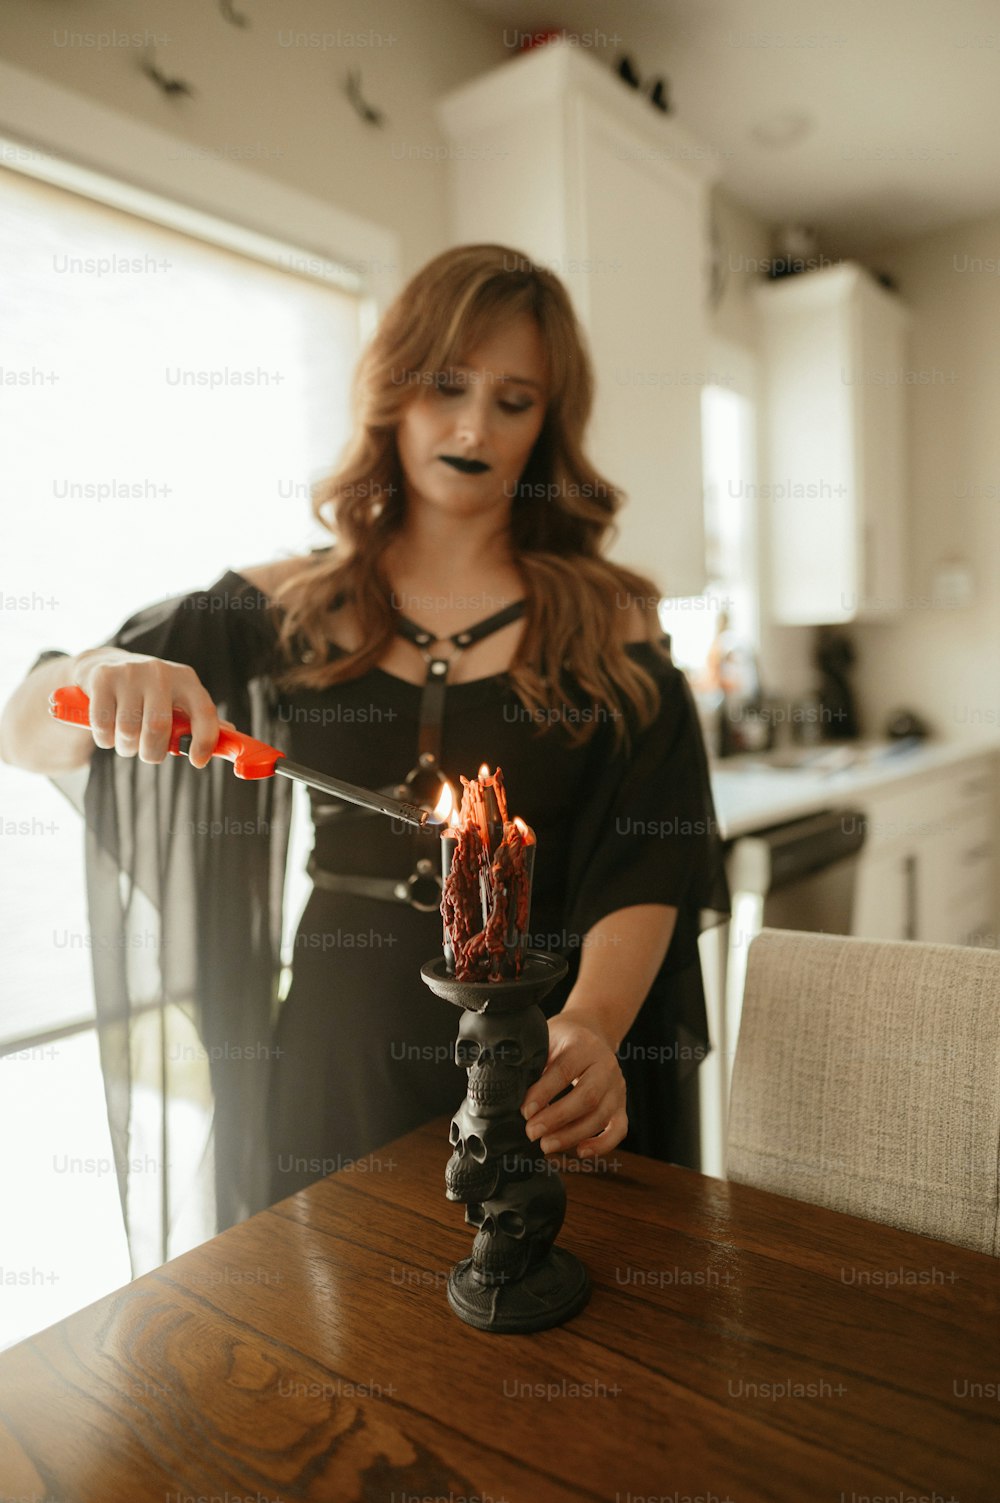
<point x="751" y="795"/>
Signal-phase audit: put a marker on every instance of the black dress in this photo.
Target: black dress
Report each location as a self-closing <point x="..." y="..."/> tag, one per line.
<point x="360" y="1050"/>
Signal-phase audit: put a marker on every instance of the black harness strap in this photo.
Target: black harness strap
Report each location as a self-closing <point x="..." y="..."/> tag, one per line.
<point x="426" y="777"/>
<point x="432" y="699"/>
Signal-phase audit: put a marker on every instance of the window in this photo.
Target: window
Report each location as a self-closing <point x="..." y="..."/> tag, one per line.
<point x="727" y="417"/>
<point x="169" y="402"/>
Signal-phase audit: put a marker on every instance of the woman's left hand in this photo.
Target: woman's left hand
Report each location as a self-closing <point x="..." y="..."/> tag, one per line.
<point x="591" y="1117"/>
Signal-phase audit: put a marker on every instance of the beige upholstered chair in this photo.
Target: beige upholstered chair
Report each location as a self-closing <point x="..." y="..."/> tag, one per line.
<point x="867" y="1079"/>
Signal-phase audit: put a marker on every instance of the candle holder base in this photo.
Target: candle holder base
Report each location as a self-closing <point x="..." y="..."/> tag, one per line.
<point x="550" y="1294"/>
<point x="516" y="1280"/>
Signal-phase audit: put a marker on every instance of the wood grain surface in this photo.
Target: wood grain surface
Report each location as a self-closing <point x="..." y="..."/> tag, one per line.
<point x="737" y="1346"/>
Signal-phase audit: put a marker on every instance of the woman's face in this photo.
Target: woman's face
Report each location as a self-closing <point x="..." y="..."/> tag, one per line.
<point x="489" y="408"/>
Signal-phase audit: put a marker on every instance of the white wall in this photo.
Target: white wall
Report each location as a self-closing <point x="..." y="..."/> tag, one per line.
<point x="277" y="108"/>
<point x="945" y="662"/>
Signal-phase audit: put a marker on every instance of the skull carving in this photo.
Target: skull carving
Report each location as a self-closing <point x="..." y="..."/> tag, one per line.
<point x="503" y="1056"/>
<point x="517" y="1229"/>
<point x="485" y="1148"/>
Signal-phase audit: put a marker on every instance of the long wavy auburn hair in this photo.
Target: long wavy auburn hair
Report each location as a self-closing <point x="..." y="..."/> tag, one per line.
<point x="561" y="517"/>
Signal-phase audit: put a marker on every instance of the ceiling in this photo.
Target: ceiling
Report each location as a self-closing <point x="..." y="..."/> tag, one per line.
<point x="897" y="101"/>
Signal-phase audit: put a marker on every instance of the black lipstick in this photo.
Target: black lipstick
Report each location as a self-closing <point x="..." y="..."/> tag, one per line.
<point x="465" y="466"/>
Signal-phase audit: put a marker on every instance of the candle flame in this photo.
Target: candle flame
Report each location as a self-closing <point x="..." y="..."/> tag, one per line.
<point x="446" y="804"/>
<point x="525" y="831"/>
<point x="484" y="771"/>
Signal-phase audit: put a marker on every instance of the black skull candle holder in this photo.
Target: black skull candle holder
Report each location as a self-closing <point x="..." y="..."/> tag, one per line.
<point x="516" y="1280"/>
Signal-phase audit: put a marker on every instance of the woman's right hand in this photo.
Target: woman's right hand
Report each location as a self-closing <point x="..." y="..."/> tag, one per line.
<point x="133" y="699"/>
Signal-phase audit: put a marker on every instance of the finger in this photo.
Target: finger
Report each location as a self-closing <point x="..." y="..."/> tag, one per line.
<point x="584" y="1097"/>
<point x="560" y="1073"/>
<point x="128" y="721"/>
<point x="157" y="723"/>
<point x="565" y="1071"/>
<point x="589" y="1125"/>
<point x="103" y="712"/>
<point x="157" y="718"/>
<point x="204" y="727"/>
<point x="604" y="1142"/>
<point x="595" y="1091"/>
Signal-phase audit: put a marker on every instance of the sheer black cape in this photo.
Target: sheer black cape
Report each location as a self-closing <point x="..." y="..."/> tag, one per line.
<point x="186" y="926"/>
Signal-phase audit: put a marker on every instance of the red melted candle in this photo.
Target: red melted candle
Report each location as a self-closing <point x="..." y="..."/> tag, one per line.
<point x="487" y="893"/>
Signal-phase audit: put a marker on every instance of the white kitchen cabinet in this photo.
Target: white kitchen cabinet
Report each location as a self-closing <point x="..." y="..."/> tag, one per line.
<point x="551" y="154"/>
<point x="833" y="351"/>
<point x="953" y="879"/>
<point x="956" y="866"/>
<point x="883" y="897"/>
<point x="928" y="870"/>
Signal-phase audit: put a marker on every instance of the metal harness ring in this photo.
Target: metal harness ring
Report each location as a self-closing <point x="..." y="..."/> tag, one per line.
<point x="424" y="873"/>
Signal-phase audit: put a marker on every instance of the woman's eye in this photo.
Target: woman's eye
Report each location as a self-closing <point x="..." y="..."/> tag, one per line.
<point x="450" y="391"/>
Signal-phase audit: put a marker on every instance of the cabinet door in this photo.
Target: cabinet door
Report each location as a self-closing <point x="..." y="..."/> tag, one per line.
<point x="809" y="492"/>
<point x="834" y="354"/>
<point x="955" y="886"/>
<point x="637" y="233"/>
<point x="885" y="896"/>
<point x="880" y="338"/>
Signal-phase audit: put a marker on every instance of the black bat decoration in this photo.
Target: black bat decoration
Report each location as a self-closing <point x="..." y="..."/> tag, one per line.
<point x="658" y="95"/>
<point x="626" y="72"/>
<point x="233" y="16"/>
<point x="169" y="86"/>
<point x="369" y="114"/>
<point x="656" y="89"/>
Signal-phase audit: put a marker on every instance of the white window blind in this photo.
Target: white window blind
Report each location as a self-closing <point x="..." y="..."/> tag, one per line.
<point x="167" y="404"/>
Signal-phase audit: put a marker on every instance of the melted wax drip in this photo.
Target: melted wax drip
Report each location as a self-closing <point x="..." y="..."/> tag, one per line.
<point x="487" y="892"/>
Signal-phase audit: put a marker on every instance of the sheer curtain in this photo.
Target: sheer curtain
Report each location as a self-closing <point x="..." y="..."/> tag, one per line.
<point x="168" y="404"/>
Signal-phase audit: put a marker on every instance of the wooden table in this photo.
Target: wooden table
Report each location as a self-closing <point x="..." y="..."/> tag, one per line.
<point x="737" y="1346"/>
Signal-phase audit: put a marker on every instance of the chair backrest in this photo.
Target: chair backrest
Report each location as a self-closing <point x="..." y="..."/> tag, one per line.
<point x="867" y="1079"/>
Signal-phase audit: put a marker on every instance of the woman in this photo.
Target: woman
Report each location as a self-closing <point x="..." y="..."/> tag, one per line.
<point x="464" y="614"/>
